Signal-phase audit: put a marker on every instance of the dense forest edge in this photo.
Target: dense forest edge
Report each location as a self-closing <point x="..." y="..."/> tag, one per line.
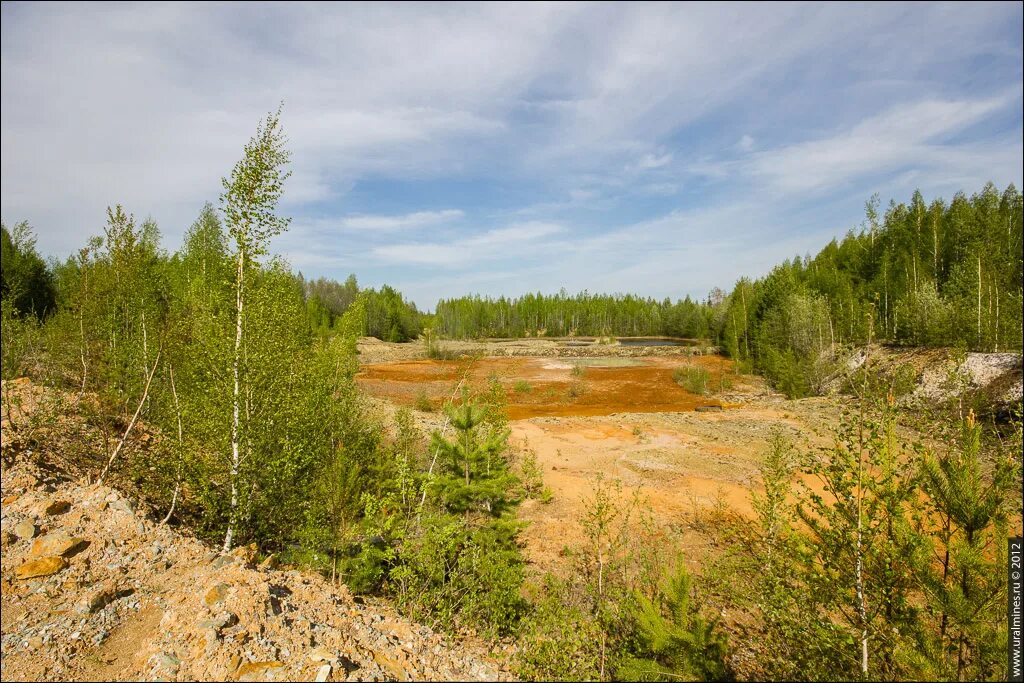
<point x="220" y="386"/>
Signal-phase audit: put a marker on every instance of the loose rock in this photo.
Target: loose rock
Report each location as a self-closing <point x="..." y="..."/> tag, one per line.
<point x="216" y="594"/>
<point x="57" y="543"/>
<point x="25" y="529"/>
<point x="96" y="599"/>
<point x="259" y="671"/>
<point x="57" y="507"/>
<point x="42" y="567"/>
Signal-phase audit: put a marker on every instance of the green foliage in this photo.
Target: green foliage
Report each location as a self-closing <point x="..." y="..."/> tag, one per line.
<point x="585" y="624"/>
<point x="474" y="472"/>
<point x="561" y="315"/>
<point x="17" y="342"/>
<point x="522" y="387"/>
<point x="887" y="547"/>
<point x="457" y="571"/>
<point x="389" y="316"/>
<point x="693" y="378"/>
<point x="423" y="402"/>
<point x="862" y="541"/>
<point x="26" y="284"/>
<point x="559" y="641"/>
<point x="435" y="350"/>
<point x="974" y="509"/>
<point x="673" y="640"/>
<point x="933" y="275"/>
<point x="531" y="476"/>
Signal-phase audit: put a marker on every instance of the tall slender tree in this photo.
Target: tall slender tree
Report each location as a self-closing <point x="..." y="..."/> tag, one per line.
<point x="249" y="203"/>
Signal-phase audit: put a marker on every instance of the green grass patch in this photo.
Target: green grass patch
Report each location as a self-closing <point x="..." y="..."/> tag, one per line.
<point x="693" y="378"/>
<point x="423" y="402"/>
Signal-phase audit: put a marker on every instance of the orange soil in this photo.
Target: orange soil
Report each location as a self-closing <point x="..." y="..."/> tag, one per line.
<point x="630" y="423"/>
<point x="553" y="391"/>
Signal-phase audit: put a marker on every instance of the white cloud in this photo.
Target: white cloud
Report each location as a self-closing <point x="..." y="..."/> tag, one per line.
<point x="417" y="219"/>
<point x="583" y="116"/>
<point x="905" y="135"/>
<point x="649" y="161"/>
<point x="520" y="239"/>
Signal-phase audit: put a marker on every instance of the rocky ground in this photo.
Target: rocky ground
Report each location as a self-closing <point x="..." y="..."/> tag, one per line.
<point x="940" y="374"/>
<point x="94" y="589"/>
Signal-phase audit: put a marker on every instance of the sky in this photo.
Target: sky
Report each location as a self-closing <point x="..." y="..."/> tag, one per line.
<point x="445" y="149"/>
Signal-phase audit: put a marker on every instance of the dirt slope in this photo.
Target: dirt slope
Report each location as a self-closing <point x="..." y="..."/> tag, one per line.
<point x="117" y="596"/>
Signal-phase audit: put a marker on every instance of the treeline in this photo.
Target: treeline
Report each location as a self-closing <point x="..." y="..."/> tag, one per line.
<point x="923" y="274"/>
<point x="920" y="275"/>
<point x="561" y="315"/>
<point x="388" y="315"/>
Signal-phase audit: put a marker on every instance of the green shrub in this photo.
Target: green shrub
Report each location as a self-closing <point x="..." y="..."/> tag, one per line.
<point x="672" y="640"/>
<point x="576" y="389"/>
<point x="530" y="476"/>
<point x="522" y="387"/>
<point x="693" y="378"/>
<point x="423" y="402"/>
<point x="452" y="573"/>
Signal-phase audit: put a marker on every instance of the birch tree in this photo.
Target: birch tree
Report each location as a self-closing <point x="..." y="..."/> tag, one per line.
<point x="249" y="204"/>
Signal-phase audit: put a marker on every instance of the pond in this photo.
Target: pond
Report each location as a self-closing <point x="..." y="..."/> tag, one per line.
<point x="655" y="341"/>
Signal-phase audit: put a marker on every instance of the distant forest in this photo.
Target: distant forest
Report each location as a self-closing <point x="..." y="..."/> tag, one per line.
<point x="923" y="275"/>
<point x="920" y="274"/>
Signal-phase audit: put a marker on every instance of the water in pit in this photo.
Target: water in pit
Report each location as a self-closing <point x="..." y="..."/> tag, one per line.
<point x="655" y="341"/>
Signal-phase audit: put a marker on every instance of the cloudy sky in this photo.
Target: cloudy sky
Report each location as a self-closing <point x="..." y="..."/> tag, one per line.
<point x="662" y="149"/>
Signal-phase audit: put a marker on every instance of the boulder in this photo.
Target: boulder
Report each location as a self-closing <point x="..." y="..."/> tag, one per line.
<point x="44" y="566"/>
<point x="57" y="543"/>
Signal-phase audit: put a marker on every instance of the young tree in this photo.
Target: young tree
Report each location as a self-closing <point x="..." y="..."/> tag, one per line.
<point x="475" y="474"/>
<point x="675" y="640"/>
<point x="249" y="203"/>
<point x="967" y="585"/>
<point x="860" y="559"/>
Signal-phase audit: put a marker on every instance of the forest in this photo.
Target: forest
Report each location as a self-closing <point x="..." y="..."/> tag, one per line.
<point x="919" y="275"/>
<point x="246" y="372"/>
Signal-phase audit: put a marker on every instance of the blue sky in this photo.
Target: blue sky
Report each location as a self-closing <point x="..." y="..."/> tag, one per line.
<point x="662" y="149"/>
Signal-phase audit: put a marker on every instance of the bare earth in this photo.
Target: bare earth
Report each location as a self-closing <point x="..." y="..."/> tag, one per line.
<point x="132" y="600"/>
<point x="628" y="420"/>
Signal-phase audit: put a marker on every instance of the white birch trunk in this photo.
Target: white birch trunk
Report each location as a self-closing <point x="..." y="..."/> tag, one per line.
<point x="235" y="399"/>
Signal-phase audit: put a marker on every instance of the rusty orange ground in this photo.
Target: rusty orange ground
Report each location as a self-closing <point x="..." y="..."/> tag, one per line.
<point x="633" y="424"/>
<point x="553" y="389"/>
